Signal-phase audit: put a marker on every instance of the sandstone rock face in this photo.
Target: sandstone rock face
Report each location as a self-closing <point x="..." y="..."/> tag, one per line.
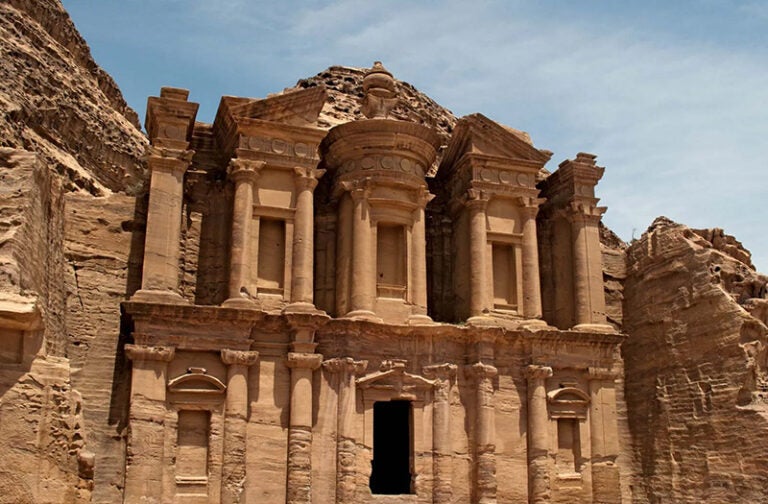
<point x="695" y="368"/>
<point x="54" y="100"/>
<point x="67" y="136"/>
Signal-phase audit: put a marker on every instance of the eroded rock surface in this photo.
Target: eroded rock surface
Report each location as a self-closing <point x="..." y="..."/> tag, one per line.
<point x="695" y="368"/>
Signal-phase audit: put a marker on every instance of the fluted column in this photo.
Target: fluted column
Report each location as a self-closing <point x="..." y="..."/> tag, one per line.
<point x="539" y="490"/>
<point x="244" y="173"/>
<point x="235" y="425"/>
<point x="418" y="282"/>
<point x="604" y="435"/>
<point x="531" y="281"/>
<point x="444" y="375"/>
<point x="346" y="447"/>
<point x="363" y="288"/>
<point x="302" y="288"/>
<point x="485" y="435"/>
<point x="302" y="365"/>
<point x="477" y="204"/>
<point x="146" y="458"/>
<point x="160" y="273"/>
<point x="589" y="296"/>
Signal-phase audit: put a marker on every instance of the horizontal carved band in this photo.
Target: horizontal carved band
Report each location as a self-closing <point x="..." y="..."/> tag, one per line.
<point x="600" y="373"/>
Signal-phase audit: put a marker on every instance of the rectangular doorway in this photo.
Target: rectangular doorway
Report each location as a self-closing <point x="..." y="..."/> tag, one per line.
<point x="392" y="448"/>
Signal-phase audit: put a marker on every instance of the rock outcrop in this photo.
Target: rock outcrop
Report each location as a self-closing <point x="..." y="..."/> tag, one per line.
<point x="695" y="367"/>
<point x="69" y="145"/>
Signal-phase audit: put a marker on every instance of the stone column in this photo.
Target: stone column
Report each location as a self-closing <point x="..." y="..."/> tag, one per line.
<point x="477" y="203"/>
<point x="302" y="289"/>
<point x="160" y="274"/>
<point x="418" y="281"/>
<point x="539" y="490"/>
<point x="299" y="482"/>
<point x="589" y="296"/>
<point x="531" y="281"/>
<point x="235" y="424"/>
<point x="485" y="448"/>
<point x="244" y="173"/>
<point x="363" y="288"/>
<point x="146" y="458"/>
<point x="444" y="375"/>
<point x="344" y="255"/>
<point x="604" y="437"/>
<point x="346" y="447"/>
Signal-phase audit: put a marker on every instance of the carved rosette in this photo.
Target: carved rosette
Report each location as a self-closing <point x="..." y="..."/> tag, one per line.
<point x="149" y="353"/>
<point x="239" y="357"/>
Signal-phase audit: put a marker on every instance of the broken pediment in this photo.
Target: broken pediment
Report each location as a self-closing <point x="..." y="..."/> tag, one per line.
<point x="476" y="134"/>
<point x="568" y="402"/>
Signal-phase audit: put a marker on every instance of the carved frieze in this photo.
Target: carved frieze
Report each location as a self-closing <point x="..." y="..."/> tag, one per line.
<point x="239" y="357"/>
<point x="280" y="147"/>
<point x="389" y="162"/>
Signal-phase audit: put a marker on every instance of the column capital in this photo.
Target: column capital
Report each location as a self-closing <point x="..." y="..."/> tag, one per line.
<point x="584" y="210"/>
<point x="346" y="365"/>
<point x="603" y="373"/>
<point x="304" y="360"/>
<point x="247" y="170"/>
<point x="481" y="371"/>
<point x="536" y="371"/>
<point x="530" y="205"/>
<point x="358" y="189"/>
<point x="446" y="371"/>
<point x="423" y="196"/>
<point x="168" y="160"/>
<point x="241" y="357"/>
<point x="150" y="353"/>
<point x="306" y="177"/>
<point x="477" y="199"/>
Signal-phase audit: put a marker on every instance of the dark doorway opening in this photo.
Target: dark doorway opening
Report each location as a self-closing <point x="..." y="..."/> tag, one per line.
<point x="392" y="441"/>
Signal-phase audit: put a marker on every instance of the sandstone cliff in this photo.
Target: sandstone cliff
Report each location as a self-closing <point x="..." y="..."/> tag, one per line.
<point x="695" y="313"/>
<point x="68" y="143"/>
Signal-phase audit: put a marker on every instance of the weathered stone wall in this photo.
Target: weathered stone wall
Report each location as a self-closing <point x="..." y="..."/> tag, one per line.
<point x="695" y="365"/>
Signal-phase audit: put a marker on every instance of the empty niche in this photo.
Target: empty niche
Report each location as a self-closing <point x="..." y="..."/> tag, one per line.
<point x="504" y="276"/>
<point x="192" y="446"/>
<point x="390" y="261"/>
<point x="568" y="445"/>
<point x="391" y="471"/>
<point x="11" y="346"/>
<point x="271" y="256"/>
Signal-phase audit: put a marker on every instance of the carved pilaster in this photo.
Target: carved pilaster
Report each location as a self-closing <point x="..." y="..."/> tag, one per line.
<point x="539" y="489"/>
<point x="485" y="448"/>
<point x="477" y="203"/>
<point x="346" y="446"/>
<point x="444" y="376"/>
<point x="604" y="435"/>
<point x="235" y="424"/>
<point x="302" y="365"/>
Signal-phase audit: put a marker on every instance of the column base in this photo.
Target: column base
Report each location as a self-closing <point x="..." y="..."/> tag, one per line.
<point x="482" y="321"/>
<point x="365" y="315"/>
<point x="301" y="307"/>
<point x="600" y="328"/>
<point x="241" y="303"/>
<point x="420" y="319"/>
<point x="158" y="296"/>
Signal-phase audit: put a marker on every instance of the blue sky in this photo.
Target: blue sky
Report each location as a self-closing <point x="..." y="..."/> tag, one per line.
<point x="671" y="96"/>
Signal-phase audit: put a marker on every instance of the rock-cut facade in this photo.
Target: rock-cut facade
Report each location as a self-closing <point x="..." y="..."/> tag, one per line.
<point x="379" y="311"/>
